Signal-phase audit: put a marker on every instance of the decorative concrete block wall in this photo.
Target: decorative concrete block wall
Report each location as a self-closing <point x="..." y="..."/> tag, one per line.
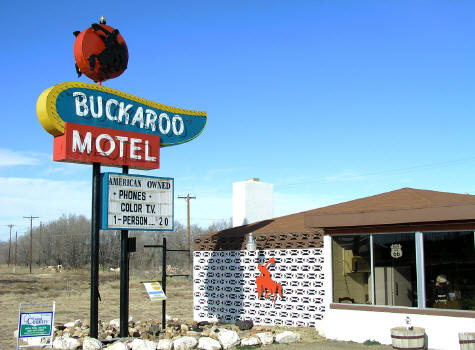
<point x="225" y="286"/>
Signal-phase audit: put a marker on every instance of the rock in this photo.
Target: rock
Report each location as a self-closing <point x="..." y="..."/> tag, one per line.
<point x="115" y="323"/>
<point x="167" y="335"/>
<point x="206" y="343"/>
<point x="193" y="334"/>
<point x="228" y="338"/>
<point x="134" y="332"/>
<point x="183" y="328"/>
<point x="184" y="343"/>
<point x="266" y="338"/>
<point x="154" y="330"/>
<point x="66" y="343"/>
<point x="244" y="325"/>
<point x="202" y="323"/>
<point x="76" y="323"/>
<point x="196" y="328"/>
<point x="164" y="344"/>
<point x="146" y="336"/>
<point x="91" y="344"/>
<point x="251" y="341"/>
<point x="139" y="344"/>
<point x="118" y="345"/>
<point x="79" y="333"/>
<point x="15" y="334"/>
<point x="287" y="337"/>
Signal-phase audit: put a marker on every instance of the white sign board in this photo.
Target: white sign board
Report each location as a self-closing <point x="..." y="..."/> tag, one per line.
<point x="136" y="202"/>
<point x="35" y="324"/>
<point x="155" y="291"/>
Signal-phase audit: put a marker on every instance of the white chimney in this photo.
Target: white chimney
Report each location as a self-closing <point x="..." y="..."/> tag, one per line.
<point x="252" y="201"/>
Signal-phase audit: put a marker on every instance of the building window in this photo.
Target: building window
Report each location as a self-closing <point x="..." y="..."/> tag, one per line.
<point x="351" y="269"/>
<point x="449" y="262"/>
<point x="395" y="279"/>
<point x="445" y="262"/>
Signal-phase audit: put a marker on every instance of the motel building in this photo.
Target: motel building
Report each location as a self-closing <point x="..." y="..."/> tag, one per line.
<point x="352" y="270"/>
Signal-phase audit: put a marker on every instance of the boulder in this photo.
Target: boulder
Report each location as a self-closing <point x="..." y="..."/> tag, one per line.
<point x="76" y="323"/>
<point x="251" y="341"/>
<point x="206" y="343"/>
<point x="228" y="338"/>
<point x="91" y="344"/>
<point x="287" y="337"/>
<point x="164" y="344"/>
<point x="118" y="345"/>
<point x="244" y="325"/>
<point x="115" y="323"/>
<point x="184" y="343"/>
<point x="66" y="343"/>
<point x="266" y="338"/>
<point x="140" y="344"/>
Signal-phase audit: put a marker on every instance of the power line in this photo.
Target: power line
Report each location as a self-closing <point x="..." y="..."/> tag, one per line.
<point x="393" y="171"/>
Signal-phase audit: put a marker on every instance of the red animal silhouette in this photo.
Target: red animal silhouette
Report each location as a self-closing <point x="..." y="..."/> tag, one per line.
<point x="265" y="284"/>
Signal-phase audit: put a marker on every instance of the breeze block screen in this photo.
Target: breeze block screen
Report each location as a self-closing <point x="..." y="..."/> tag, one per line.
<point x="270" y="286"/>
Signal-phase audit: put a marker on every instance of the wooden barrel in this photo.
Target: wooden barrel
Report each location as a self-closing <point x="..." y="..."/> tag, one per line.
<point x="467" y="341"/>
<point x="408" y="339"/>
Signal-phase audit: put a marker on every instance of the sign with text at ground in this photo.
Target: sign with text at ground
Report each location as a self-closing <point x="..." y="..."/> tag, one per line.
<point x="35" y="324"/>
<point x="136" y="202"/>
<point x="155" y="291"/>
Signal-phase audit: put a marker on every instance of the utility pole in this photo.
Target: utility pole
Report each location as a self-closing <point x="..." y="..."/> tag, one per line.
<point x="14" y="256"/>
<point x="31" y="237"/>
<point x="40" y="248"/>
<point x="10" y="244"/>
<point x="188" y="230"/>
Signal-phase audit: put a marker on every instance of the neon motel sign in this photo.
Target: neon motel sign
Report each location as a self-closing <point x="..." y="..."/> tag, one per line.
<point x="96" y="124"/>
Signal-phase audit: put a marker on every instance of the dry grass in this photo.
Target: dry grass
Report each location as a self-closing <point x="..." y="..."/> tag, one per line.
<point x="70" y="289"/>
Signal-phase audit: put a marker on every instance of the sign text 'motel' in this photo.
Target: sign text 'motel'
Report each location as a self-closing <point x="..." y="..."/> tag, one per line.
<point x="136" y="202"/>
<point x="107" y="126"/>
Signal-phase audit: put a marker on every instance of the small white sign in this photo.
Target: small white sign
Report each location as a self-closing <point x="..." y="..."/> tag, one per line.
<point x="135" y="202"/>
<point x="396" y="251"/>
<point x="35" y="325"/>
<point x="155" y="291"/>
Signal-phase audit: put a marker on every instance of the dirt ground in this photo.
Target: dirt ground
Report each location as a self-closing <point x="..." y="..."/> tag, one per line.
<point x="71" y="292"/>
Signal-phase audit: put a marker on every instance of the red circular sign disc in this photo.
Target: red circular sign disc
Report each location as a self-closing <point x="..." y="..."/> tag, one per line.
<point x="94" y="59"/>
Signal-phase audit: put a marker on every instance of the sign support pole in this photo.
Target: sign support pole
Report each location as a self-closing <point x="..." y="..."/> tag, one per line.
<point x="164" y="284"/>
<point x="124" y="278"/>
<point x="95" y="217"/>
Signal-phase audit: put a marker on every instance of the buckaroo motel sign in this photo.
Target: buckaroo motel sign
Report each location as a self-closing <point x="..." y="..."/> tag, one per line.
<point x="92" y="124"/>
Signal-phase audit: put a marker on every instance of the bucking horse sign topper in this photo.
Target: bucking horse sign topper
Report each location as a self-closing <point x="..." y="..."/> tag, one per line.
<point x="100" y="52"/>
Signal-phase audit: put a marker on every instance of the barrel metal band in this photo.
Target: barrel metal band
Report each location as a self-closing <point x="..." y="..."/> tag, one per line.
<point x="469" y="341"/>
<point x="407" y="336"/>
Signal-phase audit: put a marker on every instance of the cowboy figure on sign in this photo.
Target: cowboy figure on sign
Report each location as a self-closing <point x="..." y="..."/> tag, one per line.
<point x="265" y="284"/>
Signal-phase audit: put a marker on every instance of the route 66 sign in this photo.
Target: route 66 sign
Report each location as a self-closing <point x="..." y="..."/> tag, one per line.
<point x="396" y="251"/>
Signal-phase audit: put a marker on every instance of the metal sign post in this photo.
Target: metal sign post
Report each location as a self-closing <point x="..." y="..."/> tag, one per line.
<point x="96" y="211"/>
<point x="124" y="278"/>
<point x="164" y="274"/>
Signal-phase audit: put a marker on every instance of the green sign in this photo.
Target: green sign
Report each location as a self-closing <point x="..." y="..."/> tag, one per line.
<point x="35" y="324"/>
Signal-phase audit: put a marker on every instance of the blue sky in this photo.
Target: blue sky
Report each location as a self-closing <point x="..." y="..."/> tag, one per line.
<point x="327" y="100"/>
